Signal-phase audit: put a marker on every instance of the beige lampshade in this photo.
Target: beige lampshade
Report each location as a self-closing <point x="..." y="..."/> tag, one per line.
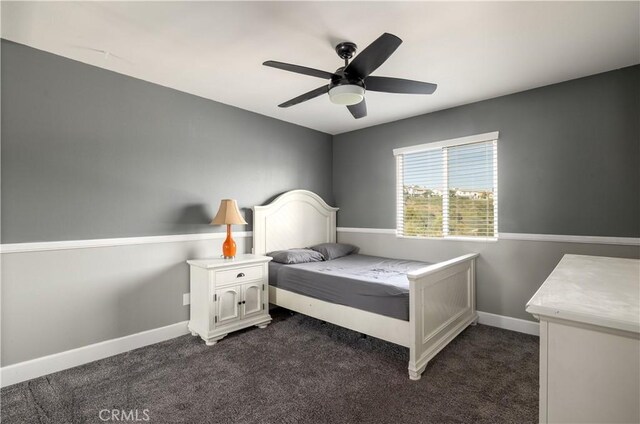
<point x="228" y="214"/>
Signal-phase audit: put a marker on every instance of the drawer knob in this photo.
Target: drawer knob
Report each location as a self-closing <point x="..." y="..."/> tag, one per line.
<point x="240" y="275"/>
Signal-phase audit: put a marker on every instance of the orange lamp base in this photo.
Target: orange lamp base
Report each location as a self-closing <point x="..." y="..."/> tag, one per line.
<point x="229" y="245"/>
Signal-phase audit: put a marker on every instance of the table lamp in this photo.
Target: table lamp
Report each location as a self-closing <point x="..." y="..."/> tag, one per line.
<point x="228" y="214"/>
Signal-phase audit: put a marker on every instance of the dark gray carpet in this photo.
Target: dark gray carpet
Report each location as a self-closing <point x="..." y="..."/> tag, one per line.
<point x="298" y="370"/>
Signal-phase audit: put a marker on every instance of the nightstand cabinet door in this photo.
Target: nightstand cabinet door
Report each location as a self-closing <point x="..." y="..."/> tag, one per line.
<point x="252" y="296"/>
<point x="228" y="305"/>
<point x="228" y="295"/>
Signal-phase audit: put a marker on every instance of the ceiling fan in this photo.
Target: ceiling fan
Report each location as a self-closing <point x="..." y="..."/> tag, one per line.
<point x="348" y="83"/>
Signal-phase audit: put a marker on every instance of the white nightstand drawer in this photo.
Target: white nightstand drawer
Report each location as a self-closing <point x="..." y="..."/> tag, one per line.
<point x="240" y="275"/>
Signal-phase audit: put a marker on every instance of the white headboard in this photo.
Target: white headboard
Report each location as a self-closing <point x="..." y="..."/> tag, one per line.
<point x="297" y="218"/>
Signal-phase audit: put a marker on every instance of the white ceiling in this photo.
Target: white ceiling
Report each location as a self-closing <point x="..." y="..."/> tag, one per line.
<point x="473" y="51"/>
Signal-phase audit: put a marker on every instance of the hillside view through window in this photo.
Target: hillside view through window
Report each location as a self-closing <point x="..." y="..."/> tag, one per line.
<point x="449" y="191"/>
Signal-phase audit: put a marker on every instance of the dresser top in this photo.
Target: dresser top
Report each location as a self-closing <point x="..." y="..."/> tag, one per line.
<point x="592" y="290"/>
<point x="222" y="263"/>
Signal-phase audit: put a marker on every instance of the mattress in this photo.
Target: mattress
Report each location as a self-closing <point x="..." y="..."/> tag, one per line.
<point x="369" y="283"/>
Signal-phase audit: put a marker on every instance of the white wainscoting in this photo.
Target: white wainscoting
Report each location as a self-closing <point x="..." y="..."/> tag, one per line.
<point x="38" y="367"/>
<point x="73" y="302"/>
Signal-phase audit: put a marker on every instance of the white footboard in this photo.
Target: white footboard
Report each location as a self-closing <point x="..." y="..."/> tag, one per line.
<point x="442" y="304"/>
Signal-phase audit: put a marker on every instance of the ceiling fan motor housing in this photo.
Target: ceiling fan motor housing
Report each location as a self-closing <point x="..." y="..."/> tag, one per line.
<point x="346" y="50"/>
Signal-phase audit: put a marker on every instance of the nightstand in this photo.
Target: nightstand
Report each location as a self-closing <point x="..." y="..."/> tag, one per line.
<point x="228" y="295"/>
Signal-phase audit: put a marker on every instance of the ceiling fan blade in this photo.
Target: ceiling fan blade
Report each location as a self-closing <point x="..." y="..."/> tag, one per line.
<point x="398" y="85"/>
<point x="306" y="96"/>
<point x="299" y="69"/>
<point x="358" y="110"/>
<point x="373" y="56"/>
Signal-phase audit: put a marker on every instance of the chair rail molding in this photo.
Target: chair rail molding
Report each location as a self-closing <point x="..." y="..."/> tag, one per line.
<point x="110" y="242"/>
<point x="623" y="241"/>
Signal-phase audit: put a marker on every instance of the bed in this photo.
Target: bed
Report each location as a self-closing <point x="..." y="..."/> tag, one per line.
<point x="440" y="296"/>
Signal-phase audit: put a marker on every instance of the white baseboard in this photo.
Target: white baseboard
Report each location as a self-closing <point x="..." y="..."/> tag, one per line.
<point x="508" y="323"/>
<point x="38" y="367"/>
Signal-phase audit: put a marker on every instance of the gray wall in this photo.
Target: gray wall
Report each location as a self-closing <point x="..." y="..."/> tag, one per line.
<point x="568" y="158"/>
<point x="568" y="164"/>
<point x="88" y="153"/>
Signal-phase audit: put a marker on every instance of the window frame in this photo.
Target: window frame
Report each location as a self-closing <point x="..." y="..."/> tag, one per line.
<point x="441" y="145"/>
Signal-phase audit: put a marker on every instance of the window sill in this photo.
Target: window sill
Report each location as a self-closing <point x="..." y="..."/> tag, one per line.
<point x="452" y="238"/>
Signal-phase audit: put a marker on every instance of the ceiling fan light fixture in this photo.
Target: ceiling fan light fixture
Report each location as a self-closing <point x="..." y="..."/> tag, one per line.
<point x="346" y="94"/>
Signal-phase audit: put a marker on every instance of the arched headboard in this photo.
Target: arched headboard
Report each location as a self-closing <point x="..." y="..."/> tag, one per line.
<point x="297" y="218"/>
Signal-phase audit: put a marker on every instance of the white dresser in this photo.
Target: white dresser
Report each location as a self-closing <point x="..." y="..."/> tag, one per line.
<point x="227" y="295"/>
<point x="589" y="341"/>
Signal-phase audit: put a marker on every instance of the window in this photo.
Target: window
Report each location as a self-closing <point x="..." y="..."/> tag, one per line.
<point x="448" y="189"/>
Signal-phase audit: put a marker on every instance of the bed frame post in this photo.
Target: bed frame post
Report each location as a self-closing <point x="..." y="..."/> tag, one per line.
<point x="442" y="304"/>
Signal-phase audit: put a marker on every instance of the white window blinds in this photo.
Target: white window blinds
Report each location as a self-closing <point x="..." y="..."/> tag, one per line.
<point x="449" y="188"/>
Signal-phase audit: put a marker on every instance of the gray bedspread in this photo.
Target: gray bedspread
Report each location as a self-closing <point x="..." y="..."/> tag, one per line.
<point x="369" y="283"/>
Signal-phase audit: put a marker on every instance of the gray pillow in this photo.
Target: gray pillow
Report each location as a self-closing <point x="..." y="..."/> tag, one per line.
<point x="296" y="256"/>
<point x="335" y="250"/>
